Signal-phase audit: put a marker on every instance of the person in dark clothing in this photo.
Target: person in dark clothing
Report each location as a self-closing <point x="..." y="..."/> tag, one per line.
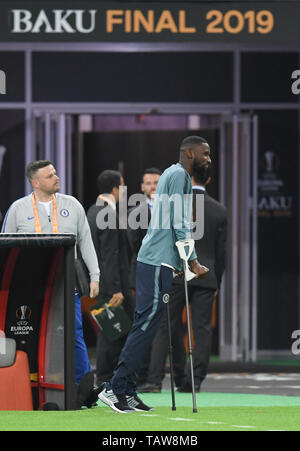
<point x="135" y="236"/>
<point x="110" y="243"/>
<point x="202" y="293"/>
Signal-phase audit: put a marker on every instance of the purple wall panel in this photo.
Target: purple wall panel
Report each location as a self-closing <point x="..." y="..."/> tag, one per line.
<point x="139" y="122"/>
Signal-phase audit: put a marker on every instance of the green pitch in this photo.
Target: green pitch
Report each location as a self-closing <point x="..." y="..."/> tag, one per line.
<point x="216" y="412"/>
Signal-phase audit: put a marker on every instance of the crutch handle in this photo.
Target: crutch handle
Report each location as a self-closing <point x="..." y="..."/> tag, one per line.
<point x="181" y="246"/>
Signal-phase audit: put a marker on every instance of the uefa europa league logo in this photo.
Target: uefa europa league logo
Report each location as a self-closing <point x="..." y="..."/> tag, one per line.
<point x="23" y="313"/>
<point x="270" y="161"/>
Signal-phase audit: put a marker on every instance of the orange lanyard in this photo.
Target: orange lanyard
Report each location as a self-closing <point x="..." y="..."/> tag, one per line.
<point x="38" y="228"/>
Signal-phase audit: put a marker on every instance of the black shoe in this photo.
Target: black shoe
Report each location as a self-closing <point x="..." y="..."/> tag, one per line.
<point x="116" y="402"/>
<point x="148" y="387"/>
<point x="137" y="404"/>
<point x="187" y="388"/>
<point x="92" y="400"/>
<point x="85" y="389"/>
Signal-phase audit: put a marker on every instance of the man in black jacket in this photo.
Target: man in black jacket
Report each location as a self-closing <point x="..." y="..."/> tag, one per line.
<point x="135" y="236"/>
<point x="110" y="243"/>
<point x="211" y="249"/>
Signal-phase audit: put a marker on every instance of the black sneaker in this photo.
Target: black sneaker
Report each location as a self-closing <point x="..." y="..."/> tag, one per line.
<point x="115" y="402"/>
<point x="136" y="403"/>
<point x="92" y="399"/>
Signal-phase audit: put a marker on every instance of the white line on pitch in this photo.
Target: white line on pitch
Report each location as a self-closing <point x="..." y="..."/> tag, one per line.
<point x="181" y="419"/>
<point x="214" y="422"/>
<point x="245" y="427"/>
<point x="149" y="415"/>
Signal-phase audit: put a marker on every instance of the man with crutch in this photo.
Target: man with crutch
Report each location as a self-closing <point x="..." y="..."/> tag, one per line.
<point x="157" y="260"/>
<point x="202" y="292"/>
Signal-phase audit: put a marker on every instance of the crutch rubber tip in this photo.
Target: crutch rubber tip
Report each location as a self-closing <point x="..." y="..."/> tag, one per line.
<point x="195" y="411"/>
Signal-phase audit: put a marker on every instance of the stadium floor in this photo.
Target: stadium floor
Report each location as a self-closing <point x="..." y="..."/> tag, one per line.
<point x="284" y="384"/>
<point x="228" y="402"/>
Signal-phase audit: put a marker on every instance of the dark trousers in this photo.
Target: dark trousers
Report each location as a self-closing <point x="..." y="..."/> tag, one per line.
<point x="152" y="282"/>
<point x="108" y="352"/>
<point x="107" y="356"/>
<point x="201" y="302"/>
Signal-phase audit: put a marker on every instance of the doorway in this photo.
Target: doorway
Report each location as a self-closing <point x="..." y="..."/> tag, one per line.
<point x="81" y="149"/>
<point x="131" y="152"/>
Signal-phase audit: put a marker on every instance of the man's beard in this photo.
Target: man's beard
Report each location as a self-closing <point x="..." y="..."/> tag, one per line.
<point x="201" y="173"/>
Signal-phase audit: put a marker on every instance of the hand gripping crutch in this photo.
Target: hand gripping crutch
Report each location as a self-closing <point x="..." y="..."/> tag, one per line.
<point x="188" y="275"/>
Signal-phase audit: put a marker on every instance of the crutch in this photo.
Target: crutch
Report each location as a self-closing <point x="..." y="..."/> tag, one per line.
<point x="166" y="300"/>
<point x="188" y="275"/>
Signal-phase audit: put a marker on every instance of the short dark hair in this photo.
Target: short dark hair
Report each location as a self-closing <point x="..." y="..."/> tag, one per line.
<point x="192" y="141"/>
<point x="151" y="171"/>
<point x="107" y="180"/>
<point x="34" y="166"/>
